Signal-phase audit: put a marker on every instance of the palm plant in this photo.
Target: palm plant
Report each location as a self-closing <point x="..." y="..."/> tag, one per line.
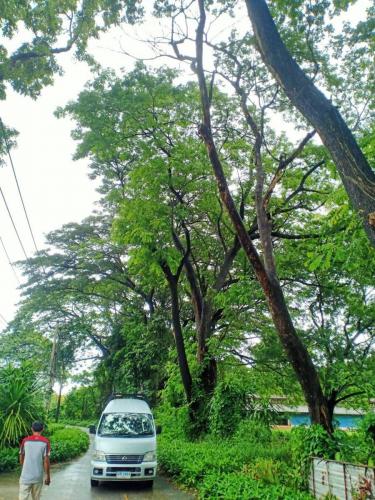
<point x="20" y="403"/>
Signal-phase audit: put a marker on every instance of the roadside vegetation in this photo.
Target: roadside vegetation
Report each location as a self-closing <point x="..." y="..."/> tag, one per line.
<point x="251" y="459"/>
<point x="21" y="403"/>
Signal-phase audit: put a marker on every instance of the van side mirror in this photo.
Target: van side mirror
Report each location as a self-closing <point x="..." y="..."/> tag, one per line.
<point x="92" y="429"/>
<point x="158" y="429"/>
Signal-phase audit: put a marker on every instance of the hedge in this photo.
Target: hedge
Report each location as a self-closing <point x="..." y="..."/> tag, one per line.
<point x="66" y="443"/>
<point x="255" y="464"/>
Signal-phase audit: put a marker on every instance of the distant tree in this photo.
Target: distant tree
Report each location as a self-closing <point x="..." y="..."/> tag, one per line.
<point x="82" y="403"/>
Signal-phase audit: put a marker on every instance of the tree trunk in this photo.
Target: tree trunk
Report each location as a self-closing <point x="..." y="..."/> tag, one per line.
<point x="177" y="330"/>
<point x="52" y="370"/>
<point x="356" y="174"/>
<point x="292" y="344"/>
<point x="180" y="346"/>
<point x="58" y="407"/>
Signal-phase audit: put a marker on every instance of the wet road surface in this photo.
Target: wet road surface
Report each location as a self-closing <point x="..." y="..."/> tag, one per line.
<point x="72" y="482"/>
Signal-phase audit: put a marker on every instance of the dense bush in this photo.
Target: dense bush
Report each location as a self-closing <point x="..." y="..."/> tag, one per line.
<point x="236" y="485"/>
<point x="228" y="407"/>
<point x="254" y="463"/>
<point x="257" y="462"/>
<point x="51" y="428"/>
<point x="354" y="447"/>
<point x="307" y="442"/>
<point x="8" y="459"/>
<point x="68" y="443"/>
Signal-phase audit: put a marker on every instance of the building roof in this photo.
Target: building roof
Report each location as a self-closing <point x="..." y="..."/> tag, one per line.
<point x="127" y="405"/>
<point x="304" y="409"/>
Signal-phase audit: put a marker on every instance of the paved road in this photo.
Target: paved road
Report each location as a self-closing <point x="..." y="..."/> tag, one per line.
<point x="72" y="482"/>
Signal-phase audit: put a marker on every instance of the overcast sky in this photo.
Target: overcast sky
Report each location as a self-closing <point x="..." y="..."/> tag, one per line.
<point x="56" y="190"/>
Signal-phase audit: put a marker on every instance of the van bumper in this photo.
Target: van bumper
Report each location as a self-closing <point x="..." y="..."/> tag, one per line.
<point x="101" y="471"/>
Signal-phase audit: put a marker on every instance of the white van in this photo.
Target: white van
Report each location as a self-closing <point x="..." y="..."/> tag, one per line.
<point x="125" y="442"/>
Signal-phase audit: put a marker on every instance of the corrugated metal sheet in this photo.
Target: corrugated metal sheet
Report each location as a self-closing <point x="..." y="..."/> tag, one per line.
<point x="344" y="481"/>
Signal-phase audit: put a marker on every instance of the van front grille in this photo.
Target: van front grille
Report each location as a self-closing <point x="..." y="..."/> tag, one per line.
<point x="126" y="469"/>
<point x="124" y="459"/>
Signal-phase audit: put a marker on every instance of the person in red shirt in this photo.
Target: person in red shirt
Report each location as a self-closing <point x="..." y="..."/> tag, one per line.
<point x="34" y="458"/>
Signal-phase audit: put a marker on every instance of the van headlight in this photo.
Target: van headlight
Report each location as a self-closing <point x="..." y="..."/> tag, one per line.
<point x="150" y="456"/>
<point x="99" y="456"/>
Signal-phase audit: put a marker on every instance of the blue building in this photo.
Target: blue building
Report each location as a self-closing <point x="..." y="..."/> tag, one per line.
<point x="346" y="418"/>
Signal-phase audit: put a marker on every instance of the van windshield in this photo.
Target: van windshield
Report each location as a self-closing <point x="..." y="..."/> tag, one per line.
<point x="126" y="425"/>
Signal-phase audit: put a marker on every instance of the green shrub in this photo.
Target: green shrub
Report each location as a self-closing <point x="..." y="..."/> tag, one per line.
<point x="367" y="428"/>
<point x="50" y="428"/>
<point x="68" y="443"/>
<point x="174" y="421"/>
<point x="8" y="459"/>
<point x="253" y="430"/>
<point x="310" y="441"/>
<point x="356" y="446"/>
<point x="237" y="486"/>
<point x="228" y="407"/>
<point x="230" y="468"/>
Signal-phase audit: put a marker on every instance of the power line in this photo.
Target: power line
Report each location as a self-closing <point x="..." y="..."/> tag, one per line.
<point x="9" y="261"/>
<point x="2" y="317"/>
<point x="16" y="179"/>
<point x="14" y="225"/>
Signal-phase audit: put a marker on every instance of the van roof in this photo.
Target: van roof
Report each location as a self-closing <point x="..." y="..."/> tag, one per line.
<point x="127" y="405"/>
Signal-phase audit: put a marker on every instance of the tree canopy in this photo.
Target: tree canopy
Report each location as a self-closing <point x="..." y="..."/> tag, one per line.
<point x="224" y="242"/>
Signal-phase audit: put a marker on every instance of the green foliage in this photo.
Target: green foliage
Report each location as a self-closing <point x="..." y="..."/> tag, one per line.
<point x="50" y="28"/>
<point x="236" y="486"/>
<point x="78" y="422"/>
<point x="174" y="420"/>
<point x="51" y="428"/>
<point x="367" y="426"/>
<point x="103" y="279"/>
<point x="67" y="443"/>
<point x="254" y="431"/>
<point x="8" y="459"/>
<point x="308" y="442"/>
<point x="354" y="447"/>
<point x="254" y="462"/>
<point x="347" y="446"/>
<point x="20" y="403"/>
<point x="81" y="404"/>
<point x="228" y="407"/>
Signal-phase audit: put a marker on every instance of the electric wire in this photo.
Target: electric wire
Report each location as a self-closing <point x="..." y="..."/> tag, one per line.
<point x="17" y="183"/>
<point x="2" y="318"/>
<point x="14" y="225"/>
<point x="9" y="261"/>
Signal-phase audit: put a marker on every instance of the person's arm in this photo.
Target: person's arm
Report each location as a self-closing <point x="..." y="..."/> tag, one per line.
<point x="47" y="480"/>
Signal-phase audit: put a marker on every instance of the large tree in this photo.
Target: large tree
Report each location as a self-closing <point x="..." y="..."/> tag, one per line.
<point x="356" y="174"/>
<point x="254" y="108"/>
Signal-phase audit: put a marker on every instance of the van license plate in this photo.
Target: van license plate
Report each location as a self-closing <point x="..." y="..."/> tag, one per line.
<point x="123" y="474"/>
